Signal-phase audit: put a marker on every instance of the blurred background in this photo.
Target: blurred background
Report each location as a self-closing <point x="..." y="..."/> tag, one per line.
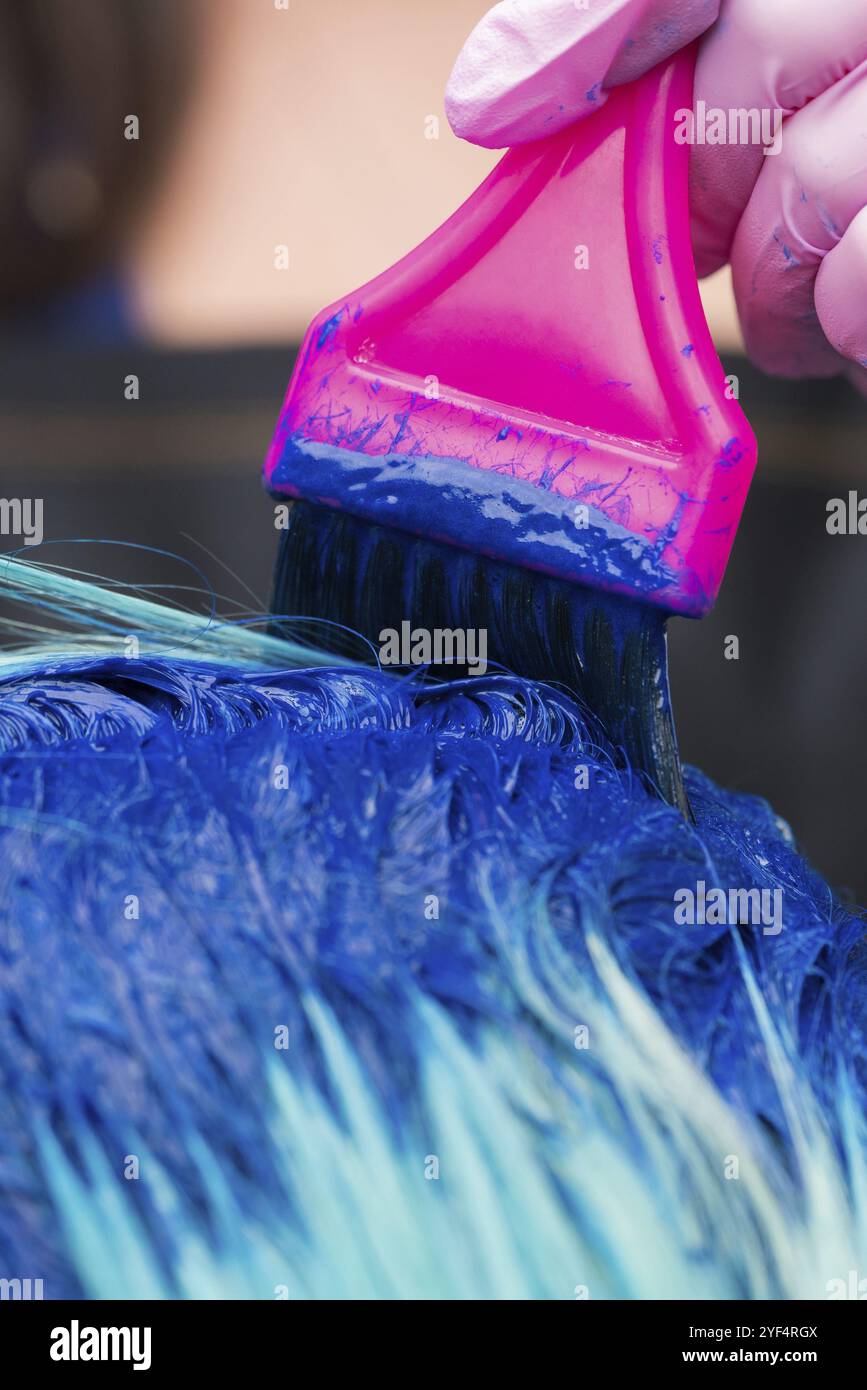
<point x="184" y="183"/>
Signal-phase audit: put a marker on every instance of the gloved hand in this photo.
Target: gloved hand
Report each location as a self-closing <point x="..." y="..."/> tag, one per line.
<point x="793" y="224"/>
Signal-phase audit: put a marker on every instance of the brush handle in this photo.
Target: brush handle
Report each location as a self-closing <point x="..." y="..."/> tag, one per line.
<point x="550" y="333"/>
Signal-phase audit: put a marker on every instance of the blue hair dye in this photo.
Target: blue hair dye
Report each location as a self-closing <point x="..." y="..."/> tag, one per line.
<point x="317" y="983"/>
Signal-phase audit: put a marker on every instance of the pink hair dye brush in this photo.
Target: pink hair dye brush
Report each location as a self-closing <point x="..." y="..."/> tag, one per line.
<point x="523" y="428"/>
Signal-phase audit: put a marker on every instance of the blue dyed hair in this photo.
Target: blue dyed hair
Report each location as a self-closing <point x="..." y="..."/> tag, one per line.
<point x="319" y="983"/>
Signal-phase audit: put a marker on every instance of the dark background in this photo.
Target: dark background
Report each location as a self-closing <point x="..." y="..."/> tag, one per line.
<point x="179" y="470"/>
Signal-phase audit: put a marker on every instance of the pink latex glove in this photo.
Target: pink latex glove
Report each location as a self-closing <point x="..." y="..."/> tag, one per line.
<point x="794" y="224"/>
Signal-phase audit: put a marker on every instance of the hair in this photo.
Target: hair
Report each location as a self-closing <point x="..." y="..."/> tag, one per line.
<point x="70" y="75"/>
<point x="321" y="983"/>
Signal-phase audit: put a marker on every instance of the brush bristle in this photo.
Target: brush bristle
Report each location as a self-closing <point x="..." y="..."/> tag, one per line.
<point x="609" y="652"/>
